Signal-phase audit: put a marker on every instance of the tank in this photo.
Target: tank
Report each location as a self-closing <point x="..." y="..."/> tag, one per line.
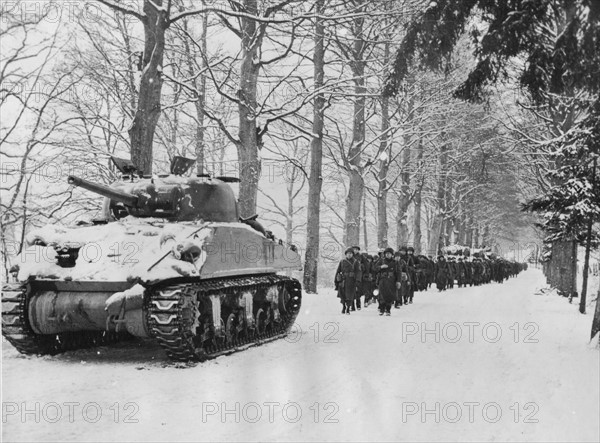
<point x="169" y="259"/>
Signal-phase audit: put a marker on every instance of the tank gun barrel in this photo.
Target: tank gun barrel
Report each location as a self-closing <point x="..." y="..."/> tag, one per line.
<point x="123" y="197"/>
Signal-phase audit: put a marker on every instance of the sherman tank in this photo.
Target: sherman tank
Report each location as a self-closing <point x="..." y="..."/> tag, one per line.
<point x="168" y="259"/>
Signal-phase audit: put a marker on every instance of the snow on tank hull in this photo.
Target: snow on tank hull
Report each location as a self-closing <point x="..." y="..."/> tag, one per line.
<point x="199" y="289"/>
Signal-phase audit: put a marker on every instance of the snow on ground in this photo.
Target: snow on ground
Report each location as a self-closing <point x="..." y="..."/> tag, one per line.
<point x="521" y="371"/>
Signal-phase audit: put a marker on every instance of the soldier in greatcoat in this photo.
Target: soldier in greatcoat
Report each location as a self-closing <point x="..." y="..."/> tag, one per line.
<point x="368" y="279"/>
<point x="359" y="289"/>
<point x="451" y="272"/>
<point x="389" y="281"/>
<point x="401" y="290"/>
<point x="347" y="280"/>
<point x="461" y="275"/>
<point x="441" y="273"/>
<point x="412" y="263"/>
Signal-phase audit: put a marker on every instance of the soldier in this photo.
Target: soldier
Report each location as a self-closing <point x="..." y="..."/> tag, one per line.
<point x="400" y="291"/>
<point x="359" y="289"/>
<point x="412" y="263"/>
<point x="451" y="271"/>
<point x="347" y="279"/>
<point x="432" y="279"/>
<point x="367" y="278"/>
<point x="426" y="270"/>
<point x="389" y="281"/>
<point x="405" y="285"/>
<point x="477" y="270"/>
<point x="468" y="272"/>
<point x="461" y="273"/>
<point x="441" y="273"/>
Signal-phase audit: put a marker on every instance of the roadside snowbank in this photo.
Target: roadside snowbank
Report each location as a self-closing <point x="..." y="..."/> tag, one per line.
<point x="522" y="365"/>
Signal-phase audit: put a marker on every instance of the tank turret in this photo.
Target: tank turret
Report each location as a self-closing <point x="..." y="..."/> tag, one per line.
<point x="172" y="197"/>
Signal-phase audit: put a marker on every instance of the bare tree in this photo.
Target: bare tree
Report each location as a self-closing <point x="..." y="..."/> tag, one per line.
<point x="156" y="18"/>
<point x="315" y="179"/>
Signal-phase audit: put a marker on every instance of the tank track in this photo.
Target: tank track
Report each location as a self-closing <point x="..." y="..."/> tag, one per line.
<point x="179" y="315"/>
<point x="18" y="332"/>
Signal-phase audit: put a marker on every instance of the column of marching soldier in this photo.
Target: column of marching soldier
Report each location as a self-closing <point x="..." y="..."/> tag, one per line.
<point x="391" y="278"/>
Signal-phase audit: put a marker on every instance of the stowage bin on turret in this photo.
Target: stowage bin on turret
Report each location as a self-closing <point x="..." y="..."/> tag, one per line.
<point x="168" y="259"/>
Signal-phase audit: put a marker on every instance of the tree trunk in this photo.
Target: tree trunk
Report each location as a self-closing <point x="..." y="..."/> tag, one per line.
<point x="404" y="198"/>
<point x="355" y="189"/>
<point x="462" y="224"/>
<point x="364" y="218"/>
<point x="476" y="237"/>
<point x="382" y="192"/>
<point x="588" y="247"/>
<point x="315" y="179"/>
<point x="141" y="132"/>
<point x="201" y="100"/>
<point x="248" y="145"/>
<point x="596" y="321"/>
<point x="487" y="240"/>
<point x="418" y="201"/>
<point x="438" y="217"/>
<point x="385" y="152"/>
<point x="289" y="219"/>
<point x="458" y="227"/>
<point x="449" y="231"/>
<point x="469" y="232"/>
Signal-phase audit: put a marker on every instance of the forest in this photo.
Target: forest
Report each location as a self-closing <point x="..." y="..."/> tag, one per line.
<point x="349" y="122"/>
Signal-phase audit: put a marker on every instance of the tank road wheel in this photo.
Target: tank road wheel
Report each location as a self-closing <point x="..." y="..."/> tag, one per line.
<point x="222" y="338"/>
<point x="290" y="299"/>
<point x="262" y="320"/>
<point x="231" y="331"/>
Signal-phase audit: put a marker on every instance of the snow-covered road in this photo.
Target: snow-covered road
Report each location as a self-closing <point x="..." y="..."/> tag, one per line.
<point x="493" y="363"/>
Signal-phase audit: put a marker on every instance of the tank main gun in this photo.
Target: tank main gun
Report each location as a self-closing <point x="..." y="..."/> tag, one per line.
<point x="145" y="199"/>
<point x="124" y="197"/>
